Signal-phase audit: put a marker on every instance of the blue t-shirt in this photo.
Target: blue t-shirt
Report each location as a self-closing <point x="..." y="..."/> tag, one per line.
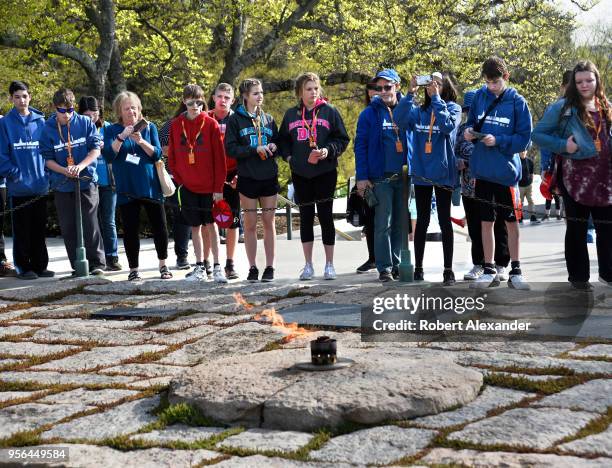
<point x="393" y="159"/>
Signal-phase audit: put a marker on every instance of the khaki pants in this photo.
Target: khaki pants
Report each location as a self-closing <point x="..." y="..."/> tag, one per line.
<point x="526" y="192"/>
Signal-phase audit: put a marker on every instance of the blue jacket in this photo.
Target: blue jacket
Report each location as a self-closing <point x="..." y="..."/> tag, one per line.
<point x="104" y="176"/>
<point x="554" y="128"/>
<point x="510" y="124"/>
<point x="440" y="165"/>
<point x="84" y="137"/>
<point x="369" y="149"/>
<point x="139" y="180"/>
<point x="20" y="159"/>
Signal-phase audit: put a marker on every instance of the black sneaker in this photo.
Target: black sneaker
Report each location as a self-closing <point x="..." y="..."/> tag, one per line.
<point x="534" y="219"/>
<point x="582" y="286"/>
<point x="112" y="264"/>
<point x="230" y="273"/>
<point x="268" y="275"/>
<point x="182" y="264"/>
<point x="253" y="274"/>
<point x="395" y="273"/>
<point x="385" y="277"/>
<point x="418" y="274"/>
<point x="45" y="274"/>
<point x="96" y="271"/>
<point x="367" y="266"/>
<point x="208" y="269"/>
<point x="545" y="217"/>
<point x="27" y="275"/>
<point x="449" y="278"/>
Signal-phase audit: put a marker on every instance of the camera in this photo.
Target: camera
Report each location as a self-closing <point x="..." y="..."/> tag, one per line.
<point x="140" y="125"/>
<point x="424" y="80"/>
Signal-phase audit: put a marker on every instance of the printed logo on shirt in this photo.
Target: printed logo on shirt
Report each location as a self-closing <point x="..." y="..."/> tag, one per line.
<point x="74" y="143"/>
<point x="252" y="134"/>
<point x="25" y="145"/>
<point x="386" y="125"/>
<point x="425" y="128"/>
<point x="495" y="120"/>
<point x="222" y="127"/>
<point x="299" y="124"/>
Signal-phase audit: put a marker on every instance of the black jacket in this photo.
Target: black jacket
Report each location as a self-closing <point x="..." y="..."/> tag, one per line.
<point x="294" y="142"/>
<point x="526" y="172"/>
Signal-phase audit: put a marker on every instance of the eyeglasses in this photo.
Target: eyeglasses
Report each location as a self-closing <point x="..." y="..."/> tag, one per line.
<point x="64" y="110"/>
<point x="386" y="87"/>
<point x="194" y="102"/>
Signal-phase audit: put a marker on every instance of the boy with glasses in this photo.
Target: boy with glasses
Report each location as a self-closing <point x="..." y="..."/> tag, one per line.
<point x="499" y="124"/>
<point x="70" y="145"/>
<point x="26" y="180"/>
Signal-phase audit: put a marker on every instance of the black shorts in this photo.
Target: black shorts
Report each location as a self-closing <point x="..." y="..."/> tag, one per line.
<point x="253" y="188"/>
<point x="195" y="208"/>
<point x="493" y="192"/>
<point x="232" y="197"/>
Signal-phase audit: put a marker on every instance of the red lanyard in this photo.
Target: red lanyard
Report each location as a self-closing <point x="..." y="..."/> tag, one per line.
<point x="398" y="143"/>
<point x="192" y="144"/>
<point x="67" y="144"/>
<point x="257" y="124"/>
<point x="312" y="129"/>
<point x="428" y="147"/>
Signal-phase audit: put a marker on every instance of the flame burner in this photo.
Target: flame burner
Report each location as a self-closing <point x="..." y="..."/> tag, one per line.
<point x="323" y="356"/>
<point x="323" y="351"/>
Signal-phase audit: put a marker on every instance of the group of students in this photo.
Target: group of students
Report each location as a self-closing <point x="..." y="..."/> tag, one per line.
<point x="232" y="155"/>
<point x="482" y="155"/>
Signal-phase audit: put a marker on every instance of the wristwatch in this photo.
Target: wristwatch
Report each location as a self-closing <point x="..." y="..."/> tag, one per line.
<point x="120" y="139"/>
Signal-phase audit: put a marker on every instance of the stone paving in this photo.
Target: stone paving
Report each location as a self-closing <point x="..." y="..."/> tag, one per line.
<point x="117" y="392"/>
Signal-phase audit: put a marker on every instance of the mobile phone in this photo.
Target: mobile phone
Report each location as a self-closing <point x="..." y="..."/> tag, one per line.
<point x="423" y="80"/>
<point x="138" y="126"/>
<point x="477" y="135"/>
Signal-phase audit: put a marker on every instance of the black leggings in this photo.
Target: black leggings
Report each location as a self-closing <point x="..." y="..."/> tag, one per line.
<point x="548" y="203"/>
<point x="422" y="194"/>
<point x="130" y="217"/>
<point x="308" y="190"/>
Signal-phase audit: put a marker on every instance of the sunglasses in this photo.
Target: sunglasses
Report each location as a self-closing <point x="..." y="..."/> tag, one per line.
<point x="194" y="102"/>
<point x="386" y="87"/>
<point x="63" y="110"/>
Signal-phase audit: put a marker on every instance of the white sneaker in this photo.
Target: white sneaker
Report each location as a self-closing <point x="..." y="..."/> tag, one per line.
<point x="218" y="275"/>
<point x="518" y="282"/>
<point x="486" y="280"/>
<point x="475" y="273"/>
<point x="307" y="272"/>
<point x="197" y="274"/>
<point x="329" y="272"/>
<point x="501" y="273"/>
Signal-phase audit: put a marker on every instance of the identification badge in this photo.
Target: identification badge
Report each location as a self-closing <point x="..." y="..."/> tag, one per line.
<point x="598" y="145"/>
<point x="428" y="147"/>
<point x="132" y="159"/>
<point x="70" y="160"/>
<point x="191" y="157"/>
<point x="398" y="146"/>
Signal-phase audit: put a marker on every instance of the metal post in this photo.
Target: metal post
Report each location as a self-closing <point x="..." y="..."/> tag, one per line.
<point x="81" y="264"/>
<point x="406" y="269"/>
<point x="289" y="220"/>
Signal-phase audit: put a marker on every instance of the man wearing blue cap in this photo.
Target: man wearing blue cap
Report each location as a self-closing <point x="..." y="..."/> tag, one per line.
<point x="463" y="150"/>
<point x="381" y="149"/>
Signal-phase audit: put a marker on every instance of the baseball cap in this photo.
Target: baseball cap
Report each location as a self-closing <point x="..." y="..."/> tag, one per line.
<point x="390" y="75"/>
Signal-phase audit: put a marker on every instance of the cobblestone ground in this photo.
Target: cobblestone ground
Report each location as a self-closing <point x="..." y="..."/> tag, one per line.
<point x="100" y="387"/>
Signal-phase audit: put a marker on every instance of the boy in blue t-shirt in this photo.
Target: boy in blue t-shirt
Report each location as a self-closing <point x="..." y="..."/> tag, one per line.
<point x="499" y="124"/>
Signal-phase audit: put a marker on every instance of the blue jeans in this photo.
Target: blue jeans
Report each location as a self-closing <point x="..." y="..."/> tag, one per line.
<point x="106" y="217"/>
<point x="388" y="224"/>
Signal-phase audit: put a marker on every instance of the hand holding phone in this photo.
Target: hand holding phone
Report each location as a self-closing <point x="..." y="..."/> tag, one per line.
<point x="423" y="80"/>
<point x="477" y="135"/>
<point x="141" y="124"/>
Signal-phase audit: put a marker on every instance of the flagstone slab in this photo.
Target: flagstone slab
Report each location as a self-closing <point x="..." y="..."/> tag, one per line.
<point x="154" y="382"/>
<point x="52" y="378"/>
<point x="595" y="444"/>
<point x="382" y="385"/>
<point x="537" y="428"/>
<point x="259" y="461"/>
<point x="98" y="357"/>
<point x="119" y="420"/>
<point x="145" y="370"/>
<point x="186" y="321"/>
<point x="245" y="338"/>
<point x="30" y="416"/>
<point x="43" y="290"/>
<point x="80" y="322"/>
<point x="594" y="395"/>
<point x="532" y="348"/>
<point x="491" y="398"/>
<point x="179" y="433"/>
<point x="89" y="397"/>
<point x="518" y="375"/>
<point x="14" y="330"/>
<point x="8" y="396"/>
<point x="24" y="349"/>
<point x="265" y="439"/>
<point x="87" y="456"/>
<point x="185" y="335"/>
<point x="379" y="445"/>
<point x="478" y="459"/>
<point x="83" y="333"/>
<point x="596" y="350"/>
<point x="105" y="298"/>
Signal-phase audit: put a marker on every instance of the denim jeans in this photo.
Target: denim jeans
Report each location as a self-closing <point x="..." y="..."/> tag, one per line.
<point x="388" y="224"/>
<point x="106" y="217"/>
